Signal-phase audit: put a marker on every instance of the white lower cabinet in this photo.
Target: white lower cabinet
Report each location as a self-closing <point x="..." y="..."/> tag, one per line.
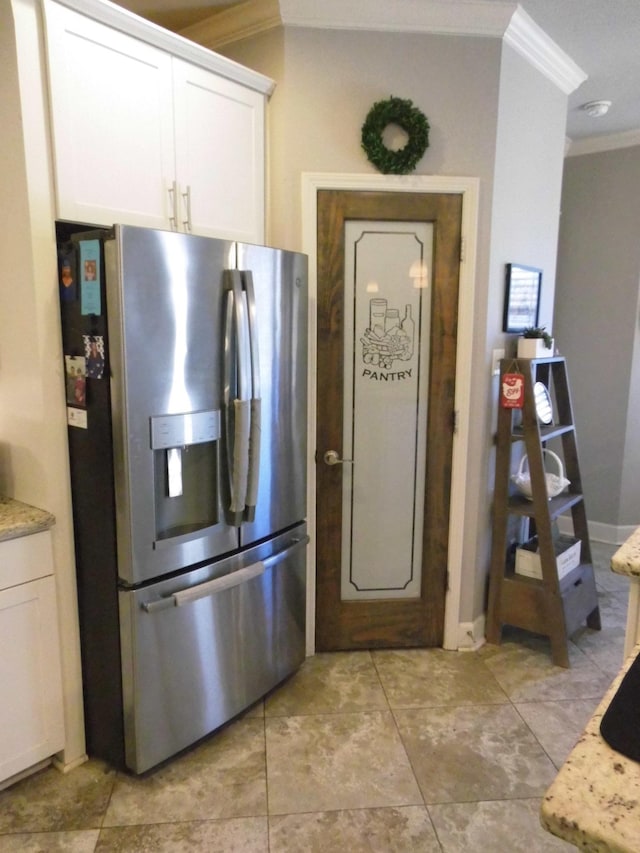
<point x="143" y="137"/>
<point x="31" y="713"/>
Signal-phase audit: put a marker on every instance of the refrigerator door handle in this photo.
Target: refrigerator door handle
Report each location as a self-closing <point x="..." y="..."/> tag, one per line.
<point x="240" y="470"/>
<point x="255" y="426"/>
<point x="233" y="579"/>
<point x="228" y="379"/>
<point x="239" y="461"/>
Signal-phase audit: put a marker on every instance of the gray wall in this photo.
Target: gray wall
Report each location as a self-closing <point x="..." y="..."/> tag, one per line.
<point x="486" y="106"/>
<point x="596" y="327"/>
<point x="527" y="183"/>
<point x="327" y="80"/>
<point x="527" y="179"/>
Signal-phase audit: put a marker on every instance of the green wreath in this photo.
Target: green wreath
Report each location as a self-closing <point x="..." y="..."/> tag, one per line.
<point x="411" y="120"/>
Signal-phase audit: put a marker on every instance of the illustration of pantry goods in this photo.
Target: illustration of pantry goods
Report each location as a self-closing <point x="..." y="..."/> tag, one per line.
<point x="388" y="339"/>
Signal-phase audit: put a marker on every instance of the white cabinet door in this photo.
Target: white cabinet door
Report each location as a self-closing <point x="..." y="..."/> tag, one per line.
<point x="31" y="720"/>
<point x="112" y="123"/>
<point x="142" y="137"/>
<point x="219" y="136"/>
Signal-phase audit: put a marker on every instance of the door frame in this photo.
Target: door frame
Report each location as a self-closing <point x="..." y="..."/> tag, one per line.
<point x="468" y="188"/>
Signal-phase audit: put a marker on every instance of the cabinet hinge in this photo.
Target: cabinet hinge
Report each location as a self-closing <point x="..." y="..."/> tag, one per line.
<point x="454" y="421"/>
<point x="463" y="248"/>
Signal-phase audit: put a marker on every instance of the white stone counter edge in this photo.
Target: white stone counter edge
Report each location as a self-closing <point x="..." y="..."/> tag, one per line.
<point x="626" y="561"/>
<point x="20" y="519"/>
<point x="594" y="801"/>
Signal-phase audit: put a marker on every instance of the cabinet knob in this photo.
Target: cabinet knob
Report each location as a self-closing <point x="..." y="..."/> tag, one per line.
<point x="187" y="206"/>
<point x="173" y="206"/>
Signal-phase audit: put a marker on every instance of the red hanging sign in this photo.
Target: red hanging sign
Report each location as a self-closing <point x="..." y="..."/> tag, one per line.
<point x="512" y="391"/>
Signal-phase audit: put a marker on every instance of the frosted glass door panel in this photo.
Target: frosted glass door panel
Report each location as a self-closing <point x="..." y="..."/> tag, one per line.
<point x="387" y="326"/>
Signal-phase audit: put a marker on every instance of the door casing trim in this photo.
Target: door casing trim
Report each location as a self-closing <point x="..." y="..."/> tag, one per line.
<point x="469" y="188"/>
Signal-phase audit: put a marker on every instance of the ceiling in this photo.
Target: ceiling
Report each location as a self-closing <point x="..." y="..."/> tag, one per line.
<point x="601" y="36"/>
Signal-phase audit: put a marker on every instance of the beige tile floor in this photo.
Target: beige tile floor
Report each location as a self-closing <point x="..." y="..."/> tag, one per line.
<point x="387" y="751"/>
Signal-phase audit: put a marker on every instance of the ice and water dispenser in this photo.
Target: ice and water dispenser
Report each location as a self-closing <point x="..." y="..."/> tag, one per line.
<point x="185" y="451"/>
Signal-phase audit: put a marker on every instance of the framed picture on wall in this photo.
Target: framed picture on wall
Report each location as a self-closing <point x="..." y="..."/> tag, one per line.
<point x="522" y="297"/>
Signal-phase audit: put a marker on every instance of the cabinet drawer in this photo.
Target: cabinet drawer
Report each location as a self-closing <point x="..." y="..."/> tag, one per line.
<point x="25" y="559"/>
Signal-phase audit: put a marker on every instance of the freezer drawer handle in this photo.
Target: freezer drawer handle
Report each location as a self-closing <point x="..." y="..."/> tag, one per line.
<point x="185" y="596"/>
<point x="294" y="545"/>
<point x="193" y="593"/>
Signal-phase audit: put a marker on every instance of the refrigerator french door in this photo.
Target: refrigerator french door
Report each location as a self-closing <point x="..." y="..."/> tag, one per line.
<point x="187" y="458"/>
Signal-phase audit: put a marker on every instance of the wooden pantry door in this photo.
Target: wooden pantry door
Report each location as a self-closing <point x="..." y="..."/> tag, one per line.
<point x="388" y="279"/>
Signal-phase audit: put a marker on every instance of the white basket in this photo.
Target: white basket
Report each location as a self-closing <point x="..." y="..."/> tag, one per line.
<point x="555" y="483"/>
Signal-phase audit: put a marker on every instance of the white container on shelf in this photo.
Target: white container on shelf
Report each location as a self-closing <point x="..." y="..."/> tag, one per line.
<point x="534" y="348"/>
<point x="567" y="550"/>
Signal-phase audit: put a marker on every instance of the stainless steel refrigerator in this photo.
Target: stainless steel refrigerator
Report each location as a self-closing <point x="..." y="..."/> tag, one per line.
<point x="185" y="362"/>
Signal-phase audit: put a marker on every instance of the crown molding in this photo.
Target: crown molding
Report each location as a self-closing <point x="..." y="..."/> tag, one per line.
<point x="238" y="22"/>
<point x="603" y="142"/>
<point x="531" y="41"/>
<point x="443" y="17"/>
<point x="479" y="18"/>
<point x="452" y="17"/>
<point x="133" y="25"/>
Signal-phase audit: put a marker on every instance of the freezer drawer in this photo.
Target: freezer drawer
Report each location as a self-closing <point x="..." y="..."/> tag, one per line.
<point x="200" y="648"/>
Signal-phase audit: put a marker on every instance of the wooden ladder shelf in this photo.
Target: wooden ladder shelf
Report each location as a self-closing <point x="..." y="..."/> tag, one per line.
<point x="550" y="605"/>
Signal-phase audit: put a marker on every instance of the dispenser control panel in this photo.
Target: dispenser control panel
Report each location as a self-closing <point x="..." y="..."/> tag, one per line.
<point x="185" y="429"/>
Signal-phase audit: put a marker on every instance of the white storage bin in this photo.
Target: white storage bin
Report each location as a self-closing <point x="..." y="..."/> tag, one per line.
<point x="567" y="550"/>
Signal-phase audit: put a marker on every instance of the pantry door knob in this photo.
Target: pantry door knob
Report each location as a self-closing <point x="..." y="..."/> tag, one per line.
<point x="332" y="457"/>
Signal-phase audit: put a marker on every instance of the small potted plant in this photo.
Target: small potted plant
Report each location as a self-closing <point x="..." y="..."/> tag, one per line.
<point x="535" y="342"/>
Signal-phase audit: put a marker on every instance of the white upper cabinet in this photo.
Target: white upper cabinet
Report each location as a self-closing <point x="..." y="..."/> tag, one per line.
<point x="219" y="135"/>
<point x="112" y="123"/>
<point x="143" y="137"/>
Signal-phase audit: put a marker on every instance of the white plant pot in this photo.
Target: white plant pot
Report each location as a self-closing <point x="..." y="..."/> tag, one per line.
<point x="533" y="348"/>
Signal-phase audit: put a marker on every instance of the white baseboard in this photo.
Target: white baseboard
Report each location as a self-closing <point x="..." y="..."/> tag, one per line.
<point x="71" y="765"/>
<point x="471" y="634"/>
<point x="610" y="534"/>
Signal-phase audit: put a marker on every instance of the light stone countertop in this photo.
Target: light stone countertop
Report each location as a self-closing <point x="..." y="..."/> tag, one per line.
<point x="20" y="519"/>
<point x="594" y="801"/>
<point x="626" y="560"/>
